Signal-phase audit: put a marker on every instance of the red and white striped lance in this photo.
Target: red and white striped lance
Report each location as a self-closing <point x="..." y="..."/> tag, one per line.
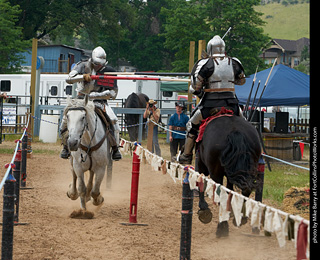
<point x="80" y="78"/>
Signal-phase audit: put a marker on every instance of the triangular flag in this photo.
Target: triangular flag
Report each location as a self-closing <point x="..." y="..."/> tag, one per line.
<point x="301" y="148"/>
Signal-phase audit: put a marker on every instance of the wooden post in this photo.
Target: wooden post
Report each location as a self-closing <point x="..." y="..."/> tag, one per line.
<point x="150" y="136"/>
<point x="33" y="81"/>
<point x="191" y="63"/>
<point x="201" y="47"/>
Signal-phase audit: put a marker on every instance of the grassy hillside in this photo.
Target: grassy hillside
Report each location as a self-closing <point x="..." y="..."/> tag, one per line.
<point x="286" y="22"/>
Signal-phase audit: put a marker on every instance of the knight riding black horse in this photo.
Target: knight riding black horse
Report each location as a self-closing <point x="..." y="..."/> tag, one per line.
<point x="134" y="101"/>
<point x="230" y="147"/>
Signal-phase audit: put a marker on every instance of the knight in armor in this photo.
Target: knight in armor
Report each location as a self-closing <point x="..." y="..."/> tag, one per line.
<point x="212" y="80"/>
<point x="99" y="91"/>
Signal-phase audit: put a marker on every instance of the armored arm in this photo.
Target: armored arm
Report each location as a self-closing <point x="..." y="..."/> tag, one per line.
<point x="105" y="95"/>
<point x="239" y="76"/>
<point x="201" y="71"/>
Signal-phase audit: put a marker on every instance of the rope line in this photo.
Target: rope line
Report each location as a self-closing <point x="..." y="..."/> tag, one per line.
<point x="209" y="180"/>
<point x="13" y="157"/>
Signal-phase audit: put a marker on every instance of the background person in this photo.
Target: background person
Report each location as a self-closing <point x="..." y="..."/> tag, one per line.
<point x="3" y="95"/>
<point x="153" y="113"/>
<point x="177" y="123"/>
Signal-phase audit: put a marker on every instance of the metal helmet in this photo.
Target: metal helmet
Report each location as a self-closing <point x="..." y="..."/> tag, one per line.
<point x="216" y="47"/>
<point x="99" y="56"/>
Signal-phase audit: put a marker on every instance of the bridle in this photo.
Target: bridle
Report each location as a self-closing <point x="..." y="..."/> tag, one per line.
<point x="88" y="149"/>
<point x="86" y="123"/>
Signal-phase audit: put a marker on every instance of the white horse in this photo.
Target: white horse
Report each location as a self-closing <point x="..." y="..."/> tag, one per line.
<point x="90" y="150"/>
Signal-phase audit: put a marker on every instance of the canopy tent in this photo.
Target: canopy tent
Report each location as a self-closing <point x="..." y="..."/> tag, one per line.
<point x="286" y="87"/>
<point x="174" y="86"/>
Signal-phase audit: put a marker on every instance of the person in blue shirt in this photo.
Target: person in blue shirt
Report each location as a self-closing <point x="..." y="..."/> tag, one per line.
<point x="177" y="123"/>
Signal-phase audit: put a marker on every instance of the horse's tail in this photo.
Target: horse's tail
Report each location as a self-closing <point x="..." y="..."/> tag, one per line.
<point x="238" y="161"/>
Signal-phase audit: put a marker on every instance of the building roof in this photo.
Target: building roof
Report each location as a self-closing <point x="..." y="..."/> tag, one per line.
<point x="290" y="45"/>
<point x="60" y="45"/>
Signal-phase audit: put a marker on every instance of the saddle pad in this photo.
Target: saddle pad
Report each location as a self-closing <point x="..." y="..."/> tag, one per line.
<point x="223" y="112"/>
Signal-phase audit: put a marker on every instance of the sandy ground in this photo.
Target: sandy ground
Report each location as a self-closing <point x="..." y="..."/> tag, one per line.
<point x="52" y="234"/>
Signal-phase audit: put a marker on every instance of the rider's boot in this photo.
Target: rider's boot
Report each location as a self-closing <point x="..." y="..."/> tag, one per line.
<point x="186" y="156"/>
<point x="116" y="155"/>
<point x="65" y="153"/>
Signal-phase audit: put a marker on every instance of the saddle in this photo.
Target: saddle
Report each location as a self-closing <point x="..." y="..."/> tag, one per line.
<point x="108" y="125"/>
<point x="215" y="113"/>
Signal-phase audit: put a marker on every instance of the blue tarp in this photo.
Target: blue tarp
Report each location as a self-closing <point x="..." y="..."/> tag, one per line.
<point x="286" y="87"/>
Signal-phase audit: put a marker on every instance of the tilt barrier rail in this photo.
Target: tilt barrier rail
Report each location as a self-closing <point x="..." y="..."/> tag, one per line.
<point x="14" y="178"/>
<point x="254" y="209"/>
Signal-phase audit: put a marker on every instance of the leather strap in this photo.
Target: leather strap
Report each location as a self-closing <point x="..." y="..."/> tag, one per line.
<point x="179" y="128"/>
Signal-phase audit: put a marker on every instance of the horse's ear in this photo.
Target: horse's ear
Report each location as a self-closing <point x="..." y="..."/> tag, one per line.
<point x="86" y="99"/>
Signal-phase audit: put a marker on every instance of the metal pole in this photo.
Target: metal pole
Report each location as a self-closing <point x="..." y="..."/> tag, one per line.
<point x="134" y="188"/>
<point x="24" y="160"/>
<point x="186" y="219"/>
<point x="260" y="179"/>
<point x="16" y="175"/>
<point x="8" y="216"/>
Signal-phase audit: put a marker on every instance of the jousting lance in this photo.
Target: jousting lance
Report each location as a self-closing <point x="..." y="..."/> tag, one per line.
<point x="80" y="78"/>
<point x="249" y="97"/>
<point x="264" y="87"/>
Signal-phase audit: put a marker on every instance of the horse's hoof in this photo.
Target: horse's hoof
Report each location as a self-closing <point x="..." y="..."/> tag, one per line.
<point x="205" y="215"/>
<point x="73" y="197"/>
<point x="256" y="230"/>
<point x="222" y="229"/>
<point x="244" y="221"/>
<point x="98" y="201"/>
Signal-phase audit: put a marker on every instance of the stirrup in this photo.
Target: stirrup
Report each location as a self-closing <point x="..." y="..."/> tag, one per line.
<point x="64" y="154"/>
<point x="116" y="155"/>
<point x="185" y="158"/>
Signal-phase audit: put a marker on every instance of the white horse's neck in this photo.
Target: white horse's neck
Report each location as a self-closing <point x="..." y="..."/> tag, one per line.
<point x="95" y="131"/>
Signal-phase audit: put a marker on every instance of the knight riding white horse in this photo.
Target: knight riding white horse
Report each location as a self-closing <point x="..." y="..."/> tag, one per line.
<point x="90" y="150"/>
<point x="99" y="91"/>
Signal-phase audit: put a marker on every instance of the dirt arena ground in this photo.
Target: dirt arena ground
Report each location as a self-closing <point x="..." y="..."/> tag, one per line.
<point x="52" y="234"/>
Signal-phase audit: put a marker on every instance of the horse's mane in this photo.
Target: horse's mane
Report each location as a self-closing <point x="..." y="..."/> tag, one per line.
<point x="75" y="102"/>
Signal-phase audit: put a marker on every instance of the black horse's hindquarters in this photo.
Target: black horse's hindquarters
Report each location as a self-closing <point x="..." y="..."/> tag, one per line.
<point x="230" y="147"/>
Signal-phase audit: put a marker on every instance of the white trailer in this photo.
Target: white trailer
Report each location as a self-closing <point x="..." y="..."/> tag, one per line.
<point x="53" y="87"/>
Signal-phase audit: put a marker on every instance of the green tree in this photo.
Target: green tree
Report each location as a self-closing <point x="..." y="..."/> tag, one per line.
<point x="143" y="43"/>
<point x="202" y="19"/>
<point x="11" y="43"/>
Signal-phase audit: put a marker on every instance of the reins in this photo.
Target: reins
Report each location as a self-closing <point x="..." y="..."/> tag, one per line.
<point x="89" y="149"/>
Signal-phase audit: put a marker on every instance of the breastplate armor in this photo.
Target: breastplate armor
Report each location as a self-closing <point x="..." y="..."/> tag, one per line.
<point x="223" y="75"/>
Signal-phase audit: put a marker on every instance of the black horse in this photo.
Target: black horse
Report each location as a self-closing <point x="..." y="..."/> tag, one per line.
<point x="230" y="147"/>
<point x="135" y="101"/>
